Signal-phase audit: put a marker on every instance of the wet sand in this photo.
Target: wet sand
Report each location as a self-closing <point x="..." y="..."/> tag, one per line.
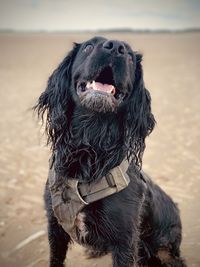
<point x="172" y="157"/>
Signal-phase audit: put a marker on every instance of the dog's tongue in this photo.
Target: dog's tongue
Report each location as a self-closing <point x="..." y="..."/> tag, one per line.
<point x="108" y="88"/>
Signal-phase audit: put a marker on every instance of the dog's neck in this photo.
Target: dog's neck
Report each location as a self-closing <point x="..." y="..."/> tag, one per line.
<point x="93" y="145"/>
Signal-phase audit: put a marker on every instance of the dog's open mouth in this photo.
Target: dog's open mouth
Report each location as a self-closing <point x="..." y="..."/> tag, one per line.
<point x="100" y="92"/>
<point x="104" y="88"/>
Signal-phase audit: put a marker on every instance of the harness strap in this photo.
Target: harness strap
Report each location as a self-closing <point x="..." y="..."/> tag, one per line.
<point x="112" y="183"/>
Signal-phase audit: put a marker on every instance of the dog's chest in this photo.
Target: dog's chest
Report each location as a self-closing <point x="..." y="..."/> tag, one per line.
<point x="79" y="231"/>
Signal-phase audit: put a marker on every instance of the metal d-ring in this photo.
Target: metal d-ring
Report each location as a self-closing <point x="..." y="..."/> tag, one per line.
<point x="78" y="194"/>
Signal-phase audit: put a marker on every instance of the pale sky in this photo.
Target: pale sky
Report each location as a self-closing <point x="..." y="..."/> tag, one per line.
<point x="52" y="15"/>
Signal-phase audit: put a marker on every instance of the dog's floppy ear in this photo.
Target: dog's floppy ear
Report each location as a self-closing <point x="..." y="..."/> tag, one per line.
<point x="140" y="120"/>
<point x="56" y="100"/>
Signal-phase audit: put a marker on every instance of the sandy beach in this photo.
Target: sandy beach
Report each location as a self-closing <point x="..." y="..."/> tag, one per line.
<point x="172" y="156"/>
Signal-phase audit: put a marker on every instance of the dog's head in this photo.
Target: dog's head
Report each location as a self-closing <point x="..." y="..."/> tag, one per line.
<point x="99" y="77"/>
<point x="103" y="74"/>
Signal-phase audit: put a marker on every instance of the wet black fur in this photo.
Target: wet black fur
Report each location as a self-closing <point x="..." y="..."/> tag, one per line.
<point x="141" y="219"/>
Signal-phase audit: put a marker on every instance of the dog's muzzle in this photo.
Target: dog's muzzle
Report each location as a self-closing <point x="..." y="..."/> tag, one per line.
<point x="71" y="197"/>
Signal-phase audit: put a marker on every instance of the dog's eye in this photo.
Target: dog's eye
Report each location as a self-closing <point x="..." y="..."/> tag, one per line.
<point x="88" y="48"/>
<point x="130" y="57"/>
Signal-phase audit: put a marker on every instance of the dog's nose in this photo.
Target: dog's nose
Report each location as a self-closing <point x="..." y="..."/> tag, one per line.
<point x="114" y="46"/>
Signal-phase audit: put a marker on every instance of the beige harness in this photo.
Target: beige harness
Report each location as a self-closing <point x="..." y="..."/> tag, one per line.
<point x="71" y="197"/>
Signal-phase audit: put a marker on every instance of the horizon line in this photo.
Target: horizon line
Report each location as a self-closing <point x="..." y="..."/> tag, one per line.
<point x="121" y="30"/>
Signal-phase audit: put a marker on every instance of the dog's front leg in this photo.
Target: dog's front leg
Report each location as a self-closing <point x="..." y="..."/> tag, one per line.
<point x="124" y="256"/>
<point x="58" y="238"/>
<point x="58" y="242"/>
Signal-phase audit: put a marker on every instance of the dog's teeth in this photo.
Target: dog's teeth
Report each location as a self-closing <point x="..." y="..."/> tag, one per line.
<point x="88" y="85"/>
<point x="94" y="85"/>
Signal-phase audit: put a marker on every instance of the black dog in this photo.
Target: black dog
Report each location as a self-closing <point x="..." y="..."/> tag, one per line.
<point x="98" y="114"/>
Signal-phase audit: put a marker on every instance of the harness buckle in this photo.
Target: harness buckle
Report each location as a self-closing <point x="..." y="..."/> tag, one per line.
<point x="111" y="183"/>
<point x="116" y="178"/>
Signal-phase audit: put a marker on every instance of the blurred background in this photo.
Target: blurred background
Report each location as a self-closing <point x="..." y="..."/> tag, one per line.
<point x="35" y="35"/>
